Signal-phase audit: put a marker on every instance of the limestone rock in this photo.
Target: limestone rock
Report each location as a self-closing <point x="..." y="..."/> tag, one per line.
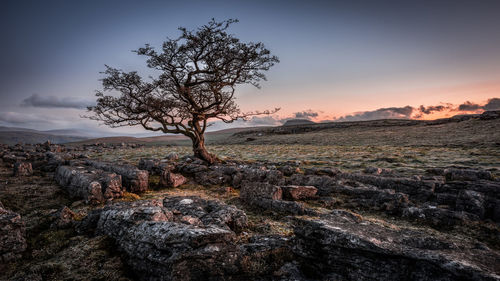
<point x="12" y="236"/>
<point x="363" y="250"/>
<point x="453" y="174"/>
<point x="133" y="179"/>
<point x="169" y="179"/>
<point x="93" y="186"/>
<point x="209" y="212"/>
<point x="298" y="192"/>
<point x="251" y="191"/>
<point x="472" y="202"/>
<point x="23" y="169"/>
<point x="63" y="218"/>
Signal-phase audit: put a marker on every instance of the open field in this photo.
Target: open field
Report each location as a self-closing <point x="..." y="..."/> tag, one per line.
<point x="386" y="194"/>
<point x="404" y="159"/>
<point x="405" y="146"/>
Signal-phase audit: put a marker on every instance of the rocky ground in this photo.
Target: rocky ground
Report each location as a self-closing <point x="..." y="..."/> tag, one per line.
<point x="75" y="213"/>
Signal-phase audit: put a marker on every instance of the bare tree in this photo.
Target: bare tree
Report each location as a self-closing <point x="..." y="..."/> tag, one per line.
<point x="198" y="75"/>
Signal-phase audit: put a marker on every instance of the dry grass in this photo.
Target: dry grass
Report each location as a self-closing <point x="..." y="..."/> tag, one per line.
<point x="405" y="159"/>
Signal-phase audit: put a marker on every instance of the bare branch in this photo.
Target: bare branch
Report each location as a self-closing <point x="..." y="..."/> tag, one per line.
<point x="199" y="72"/>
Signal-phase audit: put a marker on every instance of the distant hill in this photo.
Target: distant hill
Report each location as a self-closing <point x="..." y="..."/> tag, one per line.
<point x="470" y="130"/>
<point x="15" y="129"/>
<point x="294" y="122"/>
<point x="211" y="137"/>
<point x="13" y="135"/>
<point x="73" y="132"/>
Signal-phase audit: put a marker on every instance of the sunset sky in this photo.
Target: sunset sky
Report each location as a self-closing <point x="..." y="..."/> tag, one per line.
<point x="340" y="60"/>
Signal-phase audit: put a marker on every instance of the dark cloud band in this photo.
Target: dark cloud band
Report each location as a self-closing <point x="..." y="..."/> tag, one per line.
<point x="492" y="104"/>
<point x="36" y="100"/>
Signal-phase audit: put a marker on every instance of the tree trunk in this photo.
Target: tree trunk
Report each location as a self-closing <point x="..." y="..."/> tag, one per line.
<point x="201" y="152"/>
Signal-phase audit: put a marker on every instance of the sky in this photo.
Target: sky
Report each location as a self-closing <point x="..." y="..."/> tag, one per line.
<point x="340" y="60"/>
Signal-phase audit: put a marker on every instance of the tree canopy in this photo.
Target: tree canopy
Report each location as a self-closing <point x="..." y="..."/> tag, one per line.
<point x="197" y="77"/>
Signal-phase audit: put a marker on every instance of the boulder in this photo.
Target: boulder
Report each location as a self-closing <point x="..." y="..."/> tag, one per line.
<point x="188" y="238"/>
<point x="472" y="202"/>
<point x="298" y="192"/>
<point x="438" y="217"/>
<point x="63" y="218"/>
<point x="172" y="156"/>
<point x="133" y="179"/>
<point x="208" y="212"/>
<point x="454" y="174"/>
<point x="377" y="171"/>
<point x="268" y="196"/>
<point x="92" y="185"/>
<point x="288" y="170"/>
<point x="324" y="184"/>
<point x="23" y="169"/>
<point x="52" y="161"/>
<point x="153" y="166"/>
<point x="416" y="189"/>
<point x="373" y="198"/>
<point x="349" y="249"/>
<point x="157" y="246"/>
<point x="252" y="191"/>
<point x="169" y="179"/>
<point x="490" y="115"/>
<point x="12" y="236"/>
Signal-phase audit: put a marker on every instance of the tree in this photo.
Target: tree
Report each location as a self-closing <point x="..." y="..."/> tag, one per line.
<point x="198" y="75"/>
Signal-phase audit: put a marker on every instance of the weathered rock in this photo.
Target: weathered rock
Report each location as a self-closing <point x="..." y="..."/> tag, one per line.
<point x="23" y="169"/>
<point x="324" y="184"/>
<point x="438" y="217"/>
<point x="169" y="179"/>
<point x="264" y="255"/>
<point x="419" y="190"/>
<point x="188" y="238"/>
<point x="91" y="185"/>
<point x="12" y="236"/>
<point x="472" y="202"/>
<point x="378" y="199"/>
<point x="268" y="196"/>
<point x="288" y="170"/>
<point x="487" y="188"/>
<point x="172" y="156"/>
<point x="298" y="192"/>
<point x="209" y="212"/>
<point x="453" y="174"/>
<point x="362" y="250"/>
<point x="188" y="168"/>
<point x="159" y="249"/>
<point x="12" y="159"/>
<point x="133" y="179"/>
<point x="254" y="191"/>
<point x="321" y="171"/>
<point x="262" y="174"/>
<point x="212" y="177"/>
<point x="63" y="218"/>
<point x="490" y="115"/>
<point x="377" y="171"/>
<point x="52" y="162"/>
<point x="154" y="166"/>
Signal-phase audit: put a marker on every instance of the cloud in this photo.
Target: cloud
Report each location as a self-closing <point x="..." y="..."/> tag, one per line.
<point x="491" y="104"/>
<point x="264" y="120"/>
<point x="307" y="114"/>
<point x="469" y="106"/>
<point x="409" y="112"/>
<point x="36" y="100"/>
<point x="381" y="113"/>
<point x="432" y="108"/>
<point x="21" y="118"/>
